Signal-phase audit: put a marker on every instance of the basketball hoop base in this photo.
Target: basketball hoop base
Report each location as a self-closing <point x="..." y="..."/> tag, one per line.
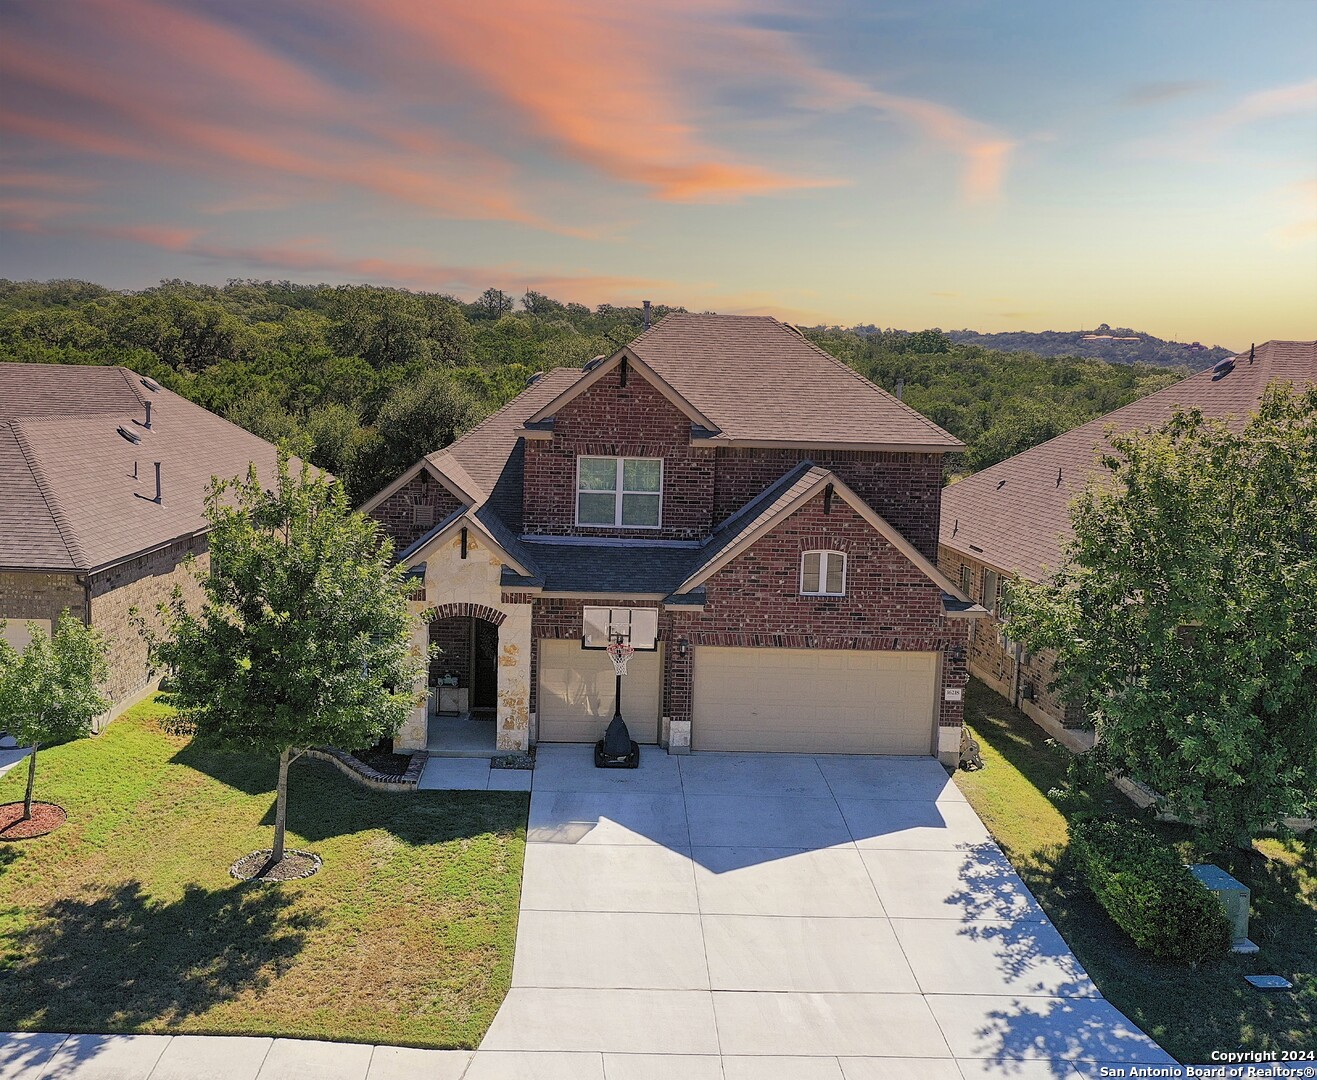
<point x="617" y="749"/>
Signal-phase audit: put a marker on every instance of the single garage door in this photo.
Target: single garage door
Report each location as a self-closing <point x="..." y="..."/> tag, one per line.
<point x="575" y="700"/>
<point x="814" y="701"/>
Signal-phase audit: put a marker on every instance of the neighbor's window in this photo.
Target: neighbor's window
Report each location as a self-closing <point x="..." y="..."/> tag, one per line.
<point x="965" y="575"/>
<point x="619" y="491"/>
<point x="823" y="573"/>
<point x="990" y="590"/>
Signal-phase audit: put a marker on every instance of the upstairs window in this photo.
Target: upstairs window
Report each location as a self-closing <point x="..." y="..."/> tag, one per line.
<point x="823" y="573"/>
<point x="615" y="491"/>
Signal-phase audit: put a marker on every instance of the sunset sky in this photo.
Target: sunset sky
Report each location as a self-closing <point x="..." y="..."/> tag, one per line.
<point x="995" y="165"/>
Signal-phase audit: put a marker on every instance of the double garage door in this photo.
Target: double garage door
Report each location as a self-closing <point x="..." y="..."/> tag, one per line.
<point x="814" y="701"/>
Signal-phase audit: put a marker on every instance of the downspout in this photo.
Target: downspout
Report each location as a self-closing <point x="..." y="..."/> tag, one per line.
<point x="1018" y="649"/>
<point x="85" y="581"/>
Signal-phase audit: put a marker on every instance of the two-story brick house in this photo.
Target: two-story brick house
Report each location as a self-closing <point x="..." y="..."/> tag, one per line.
<point x="759" y="519"/>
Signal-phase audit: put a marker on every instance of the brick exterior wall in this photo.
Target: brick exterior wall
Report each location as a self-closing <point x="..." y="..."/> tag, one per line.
<point x="561" y="618"/>
<point x="414" y="509"/>
<point x="140" y="583"/>
<point x="610" y="420"/>
<point x="906" y="489"/>
<point x="995" y="660"/>
<point x="755" y="601"/>
<point x="453" y="637"/>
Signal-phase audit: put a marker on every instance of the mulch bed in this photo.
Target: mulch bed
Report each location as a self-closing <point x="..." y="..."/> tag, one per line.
<point x="293" y="866"/>
<point x="384" y="761"/>
<point x="46" y="817"/>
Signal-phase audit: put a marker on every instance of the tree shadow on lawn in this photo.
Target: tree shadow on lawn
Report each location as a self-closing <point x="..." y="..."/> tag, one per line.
<point x="323" y="803"/>
<point x="115" y="959"/>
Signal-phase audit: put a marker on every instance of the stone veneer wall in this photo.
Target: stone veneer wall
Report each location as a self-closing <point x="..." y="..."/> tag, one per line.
<point x="610" y="420"/>
<point x="414" y="509"/>
<point x="905" y="488"/>
<point x="141" y="583"/>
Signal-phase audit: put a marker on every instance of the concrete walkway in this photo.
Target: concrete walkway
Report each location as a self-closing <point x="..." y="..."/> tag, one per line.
<point x="762" y="916"/>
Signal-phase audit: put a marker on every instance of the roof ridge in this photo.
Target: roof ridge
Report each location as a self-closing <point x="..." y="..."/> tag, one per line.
<point x="869" y="383"/>
<point x="801" y="468"/>
<point x="67" y="534"/>
<point x="505" y="407"/>
<point x="128" y="376"/>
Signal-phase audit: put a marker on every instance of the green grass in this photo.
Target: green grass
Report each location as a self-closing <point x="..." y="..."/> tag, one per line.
<point x="126" y="919"/>
<point x="1191" y="1012"/>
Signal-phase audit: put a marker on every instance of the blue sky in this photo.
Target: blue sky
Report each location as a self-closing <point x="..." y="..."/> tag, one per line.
<point x="995" y="166"/>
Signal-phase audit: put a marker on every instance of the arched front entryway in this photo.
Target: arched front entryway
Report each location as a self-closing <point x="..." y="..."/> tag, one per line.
<point x="463" y="679"/>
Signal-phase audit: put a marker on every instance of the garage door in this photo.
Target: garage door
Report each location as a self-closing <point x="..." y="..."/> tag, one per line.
<point x="816" y="701"/>
<point x="575" y="700"/>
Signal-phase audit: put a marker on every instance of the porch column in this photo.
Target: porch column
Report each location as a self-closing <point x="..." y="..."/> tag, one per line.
<point x="514" y="644"/>
<point x="414" y="734"/>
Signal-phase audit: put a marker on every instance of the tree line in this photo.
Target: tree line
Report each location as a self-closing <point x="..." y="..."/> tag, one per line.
<point x="364" y="380"/>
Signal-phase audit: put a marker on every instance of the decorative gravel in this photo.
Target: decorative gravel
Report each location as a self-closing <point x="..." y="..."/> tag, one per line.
<point x="46" y="817"/>
<point x="513" y="761"/>
<point x="293" y="866"/>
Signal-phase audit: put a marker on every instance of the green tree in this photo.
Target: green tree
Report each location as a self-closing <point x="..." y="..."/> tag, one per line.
<point x="420" y="417"/>
<point x="393" y="327"/>
<point x="303" y="638"/>
<point x="49" y="692"/>
<point x="1183" y="615"/>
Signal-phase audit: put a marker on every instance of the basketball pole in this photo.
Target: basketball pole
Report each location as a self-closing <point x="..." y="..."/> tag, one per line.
<point x="617" y="691"/>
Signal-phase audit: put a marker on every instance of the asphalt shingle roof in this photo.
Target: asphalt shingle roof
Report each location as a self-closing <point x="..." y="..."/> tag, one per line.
<point x="1015" y="515"/>
<point x="68" y="497"/>
<point x="760" y="379"/>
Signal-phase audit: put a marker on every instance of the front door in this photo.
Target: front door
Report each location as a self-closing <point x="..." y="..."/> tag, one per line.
<point x="484" y="664"/>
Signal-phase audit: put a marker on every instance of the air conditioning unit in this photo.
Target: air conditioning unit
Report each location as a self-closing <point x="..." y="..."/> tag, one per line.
<point x="1026" y="691"/>
<point x="1234" y="898"/>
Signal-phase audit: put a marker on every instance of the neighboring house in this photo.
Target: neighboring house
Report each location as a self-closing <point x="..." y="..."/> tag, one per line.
<point x="1013" y="519"/>
<point x="759" y="519"/>
<point x="103" y="475"/>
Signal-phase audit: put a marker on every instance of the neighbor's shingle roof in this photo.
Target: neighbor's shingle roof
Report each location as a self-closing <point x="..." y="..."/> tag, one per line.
<point x="1015" y="515"/>
<point x="68" y="500"/>
<point x="759" y="379"/>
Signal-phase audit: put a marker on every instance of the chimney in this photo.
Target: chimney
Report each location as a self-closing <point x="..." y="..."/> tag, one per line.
<point x="646" y="314"/>
<point x="148" y="415"/>
<point x="159" y="499"/>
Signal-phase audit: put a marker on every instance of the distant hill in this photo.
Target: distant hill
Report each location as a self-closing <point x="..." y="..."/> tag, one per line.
<point x="1117" y="345"/>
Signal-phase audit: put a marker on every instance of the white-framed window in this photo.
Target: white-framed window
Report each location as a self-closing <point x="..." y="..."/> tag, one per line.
<point x="619" y="491"/>
<point x="965" y="576"/>
<point x="823" y="573"/>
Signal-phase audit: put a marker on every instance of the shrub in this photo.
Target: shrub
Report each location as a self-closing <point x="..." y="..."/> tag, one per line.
<point x="1148" y="892"/>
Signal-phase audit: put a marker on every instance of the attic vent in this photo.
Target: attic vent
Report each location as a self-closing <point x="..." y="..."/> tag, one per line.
<point x="1224" y="367"/>
<point x="590" y="365"/>
<point x="794" y="329"/>
<point x="535" y="378"/>
<point x="131" y="436"/>
<point x="150" y="384"/>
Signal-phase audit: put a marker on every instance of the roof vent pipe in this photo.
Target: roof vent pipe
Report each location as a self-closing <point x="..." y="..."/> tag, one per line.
<point x="646" y="314"/>
<point x="148" y="415"/>
<point x="159" y="498"/>
<point x="900" y="389"/>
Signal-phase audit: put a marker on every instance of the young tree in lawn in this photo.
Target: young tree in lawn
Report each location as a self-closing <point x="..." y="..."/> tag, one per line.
<point x="48" y="692"/>
<point x="303" y="637"/>
<point x="1184" y="615"/>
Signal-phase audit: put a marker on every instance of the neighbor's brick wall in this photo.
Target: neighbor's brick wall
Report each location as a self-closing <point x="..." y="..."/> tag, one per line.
<point x="414" y="509"/>
<point x="906" y="489"/>
<point x="610" y="420"/>
<point x="141" y="583"/>
<point x="755" y="601"/>
<point x="25" y="596"/>
<point x="991" y="660"/>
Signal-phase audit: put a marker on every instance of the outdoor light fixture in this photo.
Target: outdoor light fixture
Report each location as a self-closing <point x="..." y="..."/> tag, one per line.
<point x="681" y="646"/>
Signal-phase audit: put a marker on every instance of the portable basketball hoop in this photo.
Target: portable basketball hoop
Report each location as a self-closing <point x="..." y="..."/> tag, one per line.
<point x="617" y="750"/>
<point x="620" y="652"/>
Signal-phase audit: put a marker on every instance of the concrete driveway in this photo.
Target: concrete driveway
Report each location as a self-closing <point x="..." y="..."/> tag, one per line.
<point x="762" y="915"/>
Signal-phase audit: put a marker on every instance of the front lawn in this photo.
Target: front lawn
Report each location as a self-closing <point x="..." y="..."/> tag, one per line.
<point x="126" y="918"/>
<point x="1190" y="1012"/>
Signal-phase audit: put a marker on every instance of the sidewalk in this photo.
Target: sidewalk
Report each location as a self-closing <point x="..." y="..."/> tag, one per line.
<point x="211" y="1057"/>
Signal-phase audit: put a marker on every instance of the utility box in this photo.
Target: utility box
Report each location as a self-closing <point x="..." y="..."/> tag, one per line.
<point x="679" y="737"/>
<point x="1234" y="897"/>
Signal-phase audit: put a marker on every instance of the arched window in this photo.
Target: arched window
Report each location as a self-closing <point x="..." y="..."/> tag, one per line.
<point x="823" y="573"/>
